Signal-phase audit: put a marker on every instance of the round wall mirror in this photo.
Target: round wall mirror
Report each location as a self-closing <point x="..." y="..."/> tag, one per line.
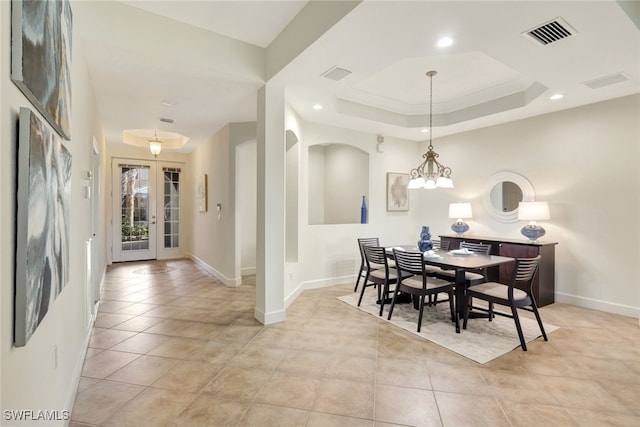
<point x="502" y="194"/>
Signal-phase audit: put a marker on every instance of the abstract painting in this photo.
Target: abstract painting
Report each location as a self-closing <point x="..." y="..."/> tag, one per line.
<point x="42" y="246"/>
<point x="202" y="193"/>
<point x="397" y="191"/>
<point x="41" y="57"/>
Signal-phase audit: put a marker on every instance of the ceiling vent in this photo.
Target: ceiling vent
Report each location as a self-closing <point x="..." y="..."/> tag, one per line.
<point x="166" y="120"/>
<point x="336" y="73"/>
<point x="552" y="31"/>
<point x="606" y="81"/>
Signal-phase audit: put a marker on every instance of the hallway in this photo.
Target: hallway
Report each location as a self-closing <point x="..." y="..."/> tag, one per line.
<point x="173" y="346"/>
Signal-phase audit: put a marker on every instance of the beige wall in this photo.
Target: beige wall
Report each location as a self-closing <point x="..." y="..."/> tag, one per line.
<point x="29" y="378"/>
<point x="214" y="236"/>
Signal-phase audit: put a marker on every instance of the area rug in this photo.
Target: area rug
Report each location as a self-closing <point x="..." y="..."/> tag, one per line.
<point x="482" y="341"/>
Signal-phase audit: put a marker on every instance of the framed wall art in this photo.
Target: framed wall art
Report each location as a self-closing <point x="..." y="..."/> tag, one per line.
<point x="41" y="58"/>
<point x="43" y="223"/>
<point x="397" y="191"/>
<point x="202" y="193"/>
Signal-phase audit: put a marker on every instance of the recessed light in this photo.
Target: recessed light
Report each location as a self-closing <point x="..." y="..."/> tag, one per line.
<point x="444" y="42"/>
<point x="424" y="130"/>
<point x="168" y="103"/>
<point x="317" y="107"/>
<point x="556" y="96"/>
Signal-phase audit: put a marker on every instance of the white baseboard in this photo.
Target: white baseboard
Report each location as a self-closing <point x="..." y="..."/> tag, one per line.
<point x="270" y="318"/>
<point x="316" y="284"/>
<point x="293" y="295"/>
<point x="77" y="372"/>
<point x="247" y="271"/>
<point x="330" y="281"/>
<point x="607" y="306"/>
<point x="228" y="281"/>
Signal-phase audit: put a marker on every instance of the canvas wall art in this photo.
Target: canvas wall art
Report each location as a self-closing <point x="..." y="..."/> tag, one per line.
<point x="397" y="191"/>
<point x="41" y="57"/>
<point x="202" y="193"/>
<point x="42" y="241"/>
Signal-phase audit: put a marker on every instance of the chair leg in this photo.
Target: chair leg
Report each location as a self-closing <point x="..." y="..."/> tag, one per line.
<point x="384" y="297"/>
<point x="491" y="315"/>
<point x="466" y="312"/>
<point x="535" y="311"/>
<point x="516" y="319"/>
<point x="393" y="302"/>
<point x="421" y="309"/>
<point x="358" y="279"/>
<point x="364" y="286"/>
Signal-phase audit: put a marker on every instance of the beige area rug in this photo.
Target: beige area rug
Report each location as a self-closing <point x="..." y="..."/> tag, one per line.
<point x="482" y="341"/>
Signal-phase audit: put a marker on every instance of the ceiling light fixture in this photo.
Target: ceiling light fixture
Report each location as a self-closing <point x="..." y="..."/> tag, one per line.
<point x="444" y="42"/>
<point x="431" y="173"/>
<point x="556" y="96"/>
<point x="155" y="145"/>
<point x="317" y="107"/>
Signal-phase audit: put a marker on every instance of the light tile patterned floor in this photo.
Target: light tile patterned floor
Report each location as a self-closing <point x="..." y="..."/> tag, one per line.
<point x="172" y="346"/>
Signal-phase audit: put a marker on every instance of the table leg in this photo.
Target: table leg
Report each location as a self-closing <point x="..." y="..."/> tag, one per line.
<point x="460" y="297"/>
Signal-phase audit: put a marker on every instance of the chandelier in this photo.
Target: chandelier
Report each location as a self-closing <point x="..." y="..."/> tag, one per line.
<point x="431" y="173"/>
<point x="155" y="145"/>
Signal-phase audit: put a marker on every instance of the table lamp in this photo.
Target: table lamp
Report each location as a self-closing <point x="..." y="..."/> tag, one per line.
<point x="460" y="211"/>
<point x="532" y="212"/>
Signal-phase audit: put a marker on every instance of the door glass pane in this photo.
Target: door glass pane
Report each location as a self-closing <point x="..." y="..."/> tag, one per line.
<point x="171" y="209"/>
<point x="134" y="196"/>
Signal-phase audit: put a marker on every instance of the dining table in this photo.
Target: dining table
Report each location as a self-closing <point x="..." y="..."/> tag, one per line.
<point x="459" y="262"/>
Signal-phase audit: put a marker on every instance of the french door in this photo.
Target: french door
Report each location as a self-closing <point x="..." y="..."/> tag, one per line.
<point x="146" y="210"/>
<point x="134" y="210"/>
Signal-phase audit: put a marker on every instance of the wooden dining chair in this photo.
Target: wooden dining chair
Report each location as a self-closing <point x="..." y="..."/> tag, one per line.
<point x="379" y="273"/>
<point x="418" y="284"/>
<point x="368" y="241"/>
<point x="517" y="294"/>
<point x="471" y="277"/>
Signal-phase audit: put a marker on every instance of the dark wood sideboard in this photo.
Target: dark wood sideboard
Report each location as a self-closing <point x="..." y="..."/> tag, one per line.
<point x="545" y="281"/>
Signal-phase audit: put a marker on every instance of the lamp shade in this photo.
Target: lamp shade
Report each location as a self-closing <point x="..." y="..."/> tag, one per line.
<point x="155" y="147"/>
<point x="460" y="210"/>
<point x="533" y="211"/>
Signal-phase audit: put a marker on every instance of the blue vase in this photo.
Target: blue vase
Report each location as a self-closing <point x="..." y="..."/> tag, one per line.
<point x="363" y="212"/>
<point x="425" y="243"/>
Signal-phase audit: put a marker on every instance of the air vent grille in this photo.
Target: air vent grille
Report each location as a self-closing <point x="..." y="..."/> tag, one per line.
<point x="336" y="73"/>
<point x="551" y="32"/>
<point x="606" y="81"/>
<point x="167" y="120"/>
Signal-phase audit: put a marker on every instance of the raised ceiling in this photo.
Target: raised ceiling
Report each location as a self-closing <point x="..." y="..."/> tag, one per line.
<point x="208" y="59"/>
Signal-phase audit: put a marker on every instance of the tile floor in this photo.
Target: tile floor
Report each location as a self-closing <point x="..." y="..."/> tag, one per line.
<point x="172" y="346"/>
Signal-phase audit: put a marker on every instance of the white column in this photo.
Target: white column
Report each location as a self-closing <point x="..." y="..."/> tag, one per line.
<point x="270" y="236"/>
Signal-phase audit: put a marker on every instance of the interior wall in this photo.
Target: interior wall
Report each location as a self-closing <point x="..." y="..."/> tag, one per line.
<point x="346" y="177"/>
<point x="211" y="245"/>
<point x="30" y="377"/>
<point x="215" y="245"/>
<point x="316" y="155"/>
<point x="291" y="196"/>
<point x="246" y="185"/>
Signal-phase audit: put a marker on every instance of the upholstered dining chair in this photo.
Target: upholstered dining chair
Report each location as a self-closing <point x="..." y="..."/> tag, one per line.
<point x="472" y="277"/>
<point x="419" y="284"/>
<point x="510" y="295"/>
<point x="368" y="241"/>
<point x="379" y="273"/>
<point x="438" y="245"/>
